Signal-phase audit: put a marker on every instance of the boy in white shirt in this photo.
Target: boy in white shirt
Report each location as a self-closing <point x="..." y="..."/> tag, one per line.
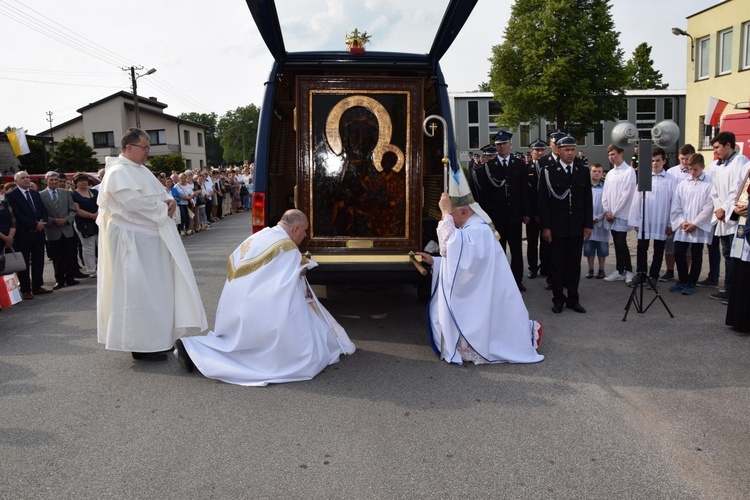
<point x="654" y="224"/>
<point x="679" y="173"/>
<point x="691" y="213"/>
<point x="598" y="244"/>
<point x="619" y="188"/>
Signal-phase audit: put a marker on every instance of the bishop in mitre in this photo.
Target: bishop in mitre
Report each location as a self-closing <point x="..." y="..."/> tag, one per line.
<point x="270" y="326"/>
<point x="476" y="313"/>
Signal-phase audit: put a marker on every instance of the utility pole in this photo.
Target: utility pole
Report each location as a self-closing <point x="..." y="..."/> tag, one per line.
<point x="52" y="140"/>
<point x="133" y="78"/>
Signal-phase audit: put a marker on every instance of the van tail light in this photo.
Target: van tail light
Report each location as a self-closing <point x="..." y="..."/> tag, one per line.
<point x="259" y="211"/>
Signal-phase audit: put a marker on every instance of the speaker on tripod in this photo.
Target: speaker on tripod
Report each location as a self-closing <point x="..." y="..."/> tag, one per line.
<point x="664" y="134"/>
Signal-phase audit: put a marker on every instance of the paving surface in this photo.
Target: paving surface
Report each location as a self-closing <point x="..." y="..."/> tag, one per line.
<point x="652" y="407"/>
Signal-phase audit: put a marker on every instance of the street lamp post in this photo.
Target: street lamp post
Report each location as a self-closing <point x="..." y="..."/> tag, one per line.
<point x="681" y="32"/>
<point x="133" y="78"/>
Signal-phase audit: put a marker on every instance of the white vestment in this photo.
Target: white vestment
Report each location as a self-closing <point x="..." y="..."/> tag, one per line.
<point x="619" y="188"/>
<point x="599" y="232"/>
<point x="267" y="330"/>
<point x="146" y="290"/>
<point x="475" y="299"/>
<point x="692" y="203"/>
<point x="658" y="208"/>
<point x="725" y="182"/>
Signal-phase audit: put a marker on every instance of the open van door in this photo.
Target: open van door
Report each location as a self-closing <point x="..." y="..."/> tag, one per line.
<point x="340" y="137"/>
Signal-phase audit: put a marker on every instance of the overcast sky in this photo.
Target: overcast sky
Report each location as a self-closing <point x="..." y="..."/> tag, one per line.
<point x="61" y="56"/>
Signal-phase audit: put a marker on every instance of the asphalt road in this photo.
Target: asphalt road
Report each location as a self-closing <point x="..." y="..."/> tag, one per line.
<point x="650" y="408"/>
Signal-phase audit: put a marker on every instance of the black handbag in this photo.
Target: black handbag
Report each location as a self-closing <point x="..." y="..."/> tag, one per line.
<point x="11" y="262"/>
<point x="87" y="228"/>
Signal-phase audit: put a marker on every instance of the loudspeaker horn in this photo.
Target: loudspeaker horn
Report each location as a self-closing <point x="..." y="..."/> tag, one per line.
<point x="665" y="134"/>
<point x="623" y="134"/>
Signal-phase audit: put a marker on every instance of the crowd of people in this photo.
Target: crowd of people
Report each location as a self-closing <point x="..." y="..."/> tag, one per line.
<point x="569" y="207"/>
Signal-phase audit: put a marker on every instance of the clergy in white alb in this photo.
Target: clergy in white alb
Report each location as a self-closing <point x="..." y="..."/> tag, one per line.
<point x="738" y="312"/>
<point x="476" y="312"/>
<point x="146" y="291"/>
<point x="270" y="326"/>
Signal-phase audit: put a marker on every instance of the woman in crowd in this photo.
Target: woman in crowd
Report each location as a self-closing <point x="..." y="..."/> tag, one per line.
<point x="200" y="203"/>
<point x="185" y="192"/>
<point x="226" y="186"/>
<point x="169" y="186"/>
<point x="85" y="224"/>
<point x="236" y="185"/>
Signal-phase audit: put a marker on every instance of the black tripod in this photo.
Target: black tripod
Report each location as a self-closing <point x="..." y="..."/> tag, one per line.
<point x="642" y="278"/>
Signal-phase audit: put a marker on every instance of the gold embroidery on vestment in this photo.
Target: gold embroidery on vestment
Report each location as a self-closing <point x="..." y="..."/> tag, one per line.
<point x="252" y="265"/>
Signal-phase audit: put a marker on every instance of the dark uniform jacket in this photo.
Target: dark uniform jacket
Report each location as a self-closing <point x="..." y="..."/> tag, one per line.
<point x="532" y="177"/>
<point x="568" y="216"/>
<point x="503" y="192"/>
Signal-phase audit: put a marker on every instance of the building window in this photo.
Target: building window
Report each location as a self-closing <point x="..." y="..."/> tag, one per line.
<point x="157" y="137"/>
<point x="104" y="139"/>
<point x="473" y="108"/>
<point x="200" y="139"/>
<point x="707" y="132"/>
<point x="724" y="58"/>
<point x="494" y="110"/>
<point x="524" y="136"/>
<point x="645" y="116"/>
<point x="701" y="68"/>
<point x="745" y="48"/>
<point x="186" y="135"/>
<point x="599" y="135"/>
<point x="200" y="163"/>
<point x="669" y="108"/>
<point x="474" y="137"/>
<point x="188" y="164"/>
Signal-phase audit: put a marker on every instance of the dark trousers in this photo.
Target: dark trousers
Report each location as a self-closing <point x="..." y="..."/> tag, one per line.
<point x="642" y="257"/>
<point x="64" y="258"/>
<point x="680" y="257"/>
<point x="532" y="245"/>
<point x="510" y="236"/>
<point x="565" y="269"/>
<point x="184" y="218"/>
<point x="622" y="253"/>
<point x="545" y="257"/>
<point x="31" y="246"/>
<point x="714" y="259"/>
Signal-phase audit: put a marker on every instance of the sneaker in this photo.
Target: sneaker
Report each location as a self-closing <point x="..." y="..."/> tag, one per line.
<point x="707" y="282"/>
<point x="590" y="274"/>
<point x="629" y="277"/>
<point x="677" y="287"/>
<point x="669" y="275"/>
<point x="720" y="295"/>
<point x="600" y="274"/>
<point x="615" y="276"/>
<point x="688" y="289"/>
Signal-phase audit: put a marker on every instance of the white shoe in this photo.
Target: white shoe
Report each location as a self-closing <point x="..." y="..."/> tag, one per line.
<point x="629" y="277"/>
<point x="615" y="276"/>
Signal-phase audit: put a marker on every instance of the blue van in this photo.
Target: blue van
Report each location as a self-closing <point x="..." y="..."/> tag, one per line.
<point x="340" y="137"/>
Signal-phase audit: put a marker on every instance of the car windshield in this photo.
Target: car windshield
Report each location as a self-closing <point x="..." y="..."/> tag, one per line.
<point x="393" y="25"/>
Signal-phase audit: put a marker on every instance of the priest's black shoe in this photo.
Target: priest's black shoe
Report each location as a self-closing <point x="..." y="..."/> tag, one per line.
<point x="80" y="275"/>
<point x="557" y="308"/>
<point x="577" y="307"/>
<point x="521" y="287"/>
<point x="58" y="285"/>
<point x="532" y="274"/>
<point x="149" y="356"/>
<point x="71" y="282"/>
<point x="183" y="357"/>
<point x="548" y="286"/>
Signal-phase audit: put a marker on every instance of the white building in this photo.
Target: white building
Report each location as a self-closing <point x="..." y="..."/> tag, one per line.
<point x="104" y="122"/>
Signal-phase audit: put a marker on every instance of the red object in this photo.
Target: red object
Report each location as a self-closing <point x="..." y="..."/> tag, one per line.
<point x="356" y="50"/>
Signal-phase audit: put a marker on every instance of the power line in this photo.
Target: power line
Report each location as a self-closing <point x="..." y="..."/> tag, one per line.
<point x="61" y="83"/>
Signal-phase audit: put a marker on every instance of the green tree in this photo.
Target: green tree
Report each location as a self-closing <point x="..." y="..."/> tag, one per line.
<point x="166" y="164"/>
<point x="38" y="160"/>
<point x="236" y="131"/>
<point x="640" y="70"/>
<point x="484" y="87"/>
<point x="72" y="154"/>
<point x="214" y="151"/>
<point x="561" y="60"/>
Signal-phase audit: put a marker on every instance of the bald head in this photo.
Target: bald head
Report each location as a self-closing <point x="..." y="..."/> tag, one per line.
<point x="295" y="223"/>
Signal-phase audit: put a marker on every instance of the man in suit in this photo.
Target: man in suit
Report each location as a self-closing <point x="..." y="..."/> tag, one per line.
<point x="566" y="219"/>
<point x="61" y="238"/>
<point x="31" y="217"/>
<point x="501" y="185"/>
<point x="537" y="149"/>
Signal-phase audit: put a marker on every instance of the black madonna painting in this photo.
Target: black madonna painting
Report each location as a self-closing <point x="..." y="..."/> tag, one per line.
<point x="360" y="146"/>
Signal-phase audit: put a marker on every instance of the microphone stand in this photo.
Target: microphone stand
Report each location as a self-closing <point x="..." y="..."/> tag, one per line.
<point x="642" y="278"/>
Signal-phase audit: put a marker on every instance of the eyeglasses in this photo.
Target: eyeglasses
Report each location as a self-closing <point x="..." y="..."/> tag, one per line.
<point x="145" y="148"/>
